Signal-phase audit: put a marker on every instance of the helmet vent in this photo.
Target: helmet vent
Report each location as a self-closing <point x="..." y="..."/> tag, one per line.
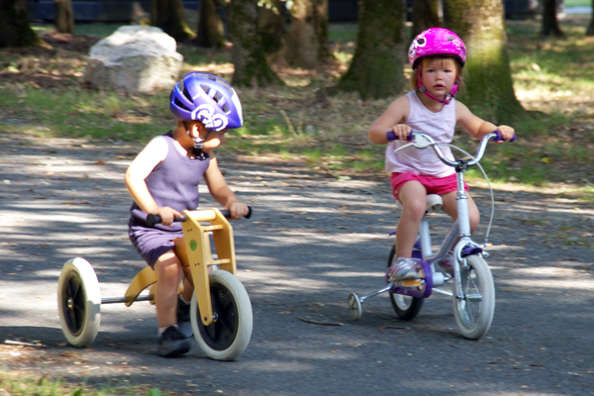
<point x="187" y="93"/>
<point x="180" y="104"/>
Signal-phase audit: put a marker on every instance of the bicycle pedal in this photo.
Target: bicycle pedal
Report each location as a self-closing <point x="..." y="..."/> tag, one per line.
<point x="409" y="283"/>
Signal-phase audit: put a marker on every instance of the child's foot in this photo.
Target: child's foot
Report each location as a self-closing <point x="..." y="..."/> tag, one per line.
<point x="172" y="343"/>
<point x="403" y="268"/>
<point x="183" y="318"/>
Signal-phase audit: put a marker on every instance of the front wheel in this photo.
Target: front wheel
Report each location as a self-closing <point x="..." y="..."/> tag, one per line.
<point x="228" y="336"/>
<point x="475" y="309"/>
<point x="79" y="302"/>
<point x="406" y="307"/>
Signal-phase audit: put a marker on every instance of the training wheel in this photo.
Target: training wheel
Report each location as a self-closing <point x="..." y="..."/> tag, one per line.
<point x="79" y="302"/>
<point x="355" y="306"/>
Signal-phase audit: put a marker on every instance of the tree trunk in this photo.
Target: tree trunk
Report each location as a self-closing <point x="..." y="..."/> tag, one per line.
<point x="15" y="30"/>
<point x="376" y="68"/>
<point x="271" y="25"/>
<point x="248" y="54"/>
<point x="210" y="26"/>
<point x="307" y="40"/>
<point x="169" y="16"/>
<point x="64" y="16"/>
<point x="550" y="24"/>
<point x="590" y="30"/>
<point x="426" y="14"/>
<point x="488" y="87"/>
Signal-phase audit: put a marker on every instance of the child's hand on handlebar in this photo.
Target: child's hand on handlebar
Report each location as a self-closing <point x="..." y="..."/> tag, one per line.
<point x="237" y="210"/>
<point x="402" y="131"/>
<point x="507" y="133"/>
<point x="168" y="214"/>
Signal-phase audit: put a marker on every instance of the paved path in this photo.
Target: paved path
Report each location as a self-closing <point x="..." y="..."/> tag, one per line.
<point x="311" y="241"/>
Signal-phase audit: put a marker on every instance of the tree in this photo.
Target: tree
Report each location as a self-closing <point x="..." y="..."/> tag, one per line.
<point x="15" y="30"/>
<point x="248" y="54"/>
<point x="426" y="14"/>
<point x="272" y="26"/>
<point x="590" y="30"/>
<point x="64" y="16"/>
<point x="210" y="26"/>
<point x="376" y="68"/>
<point x="307" y="39"/>
<point x="169" y="16"/>
<point x="487" y="78"/>
<point x="550" y="24"/>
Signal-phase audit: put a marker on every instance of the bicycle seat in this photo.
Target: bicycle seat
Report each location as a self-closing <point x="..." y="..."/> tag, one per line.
<point x="433" y="201"/>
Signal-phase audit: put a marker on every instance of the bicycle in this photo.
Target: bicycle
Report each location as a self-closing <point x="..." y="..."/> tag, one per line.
<point x="220" y="313"/>
<point x="472" y="285"/>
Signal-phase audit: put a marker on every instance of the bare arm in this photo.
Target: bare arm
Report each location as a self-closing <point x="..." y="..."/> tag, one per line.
<point x="391" y="120"/>
<point x="144" y="163"/>
<point x="476" y="126"/>
<point x="220" y="191"/>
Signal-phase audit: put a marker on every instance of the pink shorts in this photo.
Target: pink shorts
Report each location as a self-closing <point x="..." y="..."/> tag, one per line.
<point x="433" y="185"/>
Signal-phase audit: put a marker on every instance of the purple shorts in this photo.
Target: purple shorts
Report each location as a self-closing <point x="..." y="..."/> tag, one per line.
<point x="433" y="185"/>
<point x="151" y="243"/>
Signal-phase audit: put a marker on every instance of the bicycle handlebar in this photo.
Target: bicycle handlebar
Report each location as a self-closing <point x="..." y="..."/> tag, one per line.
<point x="421" y="140"/>
<point x="153" y="219"/>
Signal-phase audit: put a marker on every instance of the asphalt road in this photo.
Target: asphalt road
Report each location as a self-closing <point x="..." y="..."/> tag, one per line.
<point x="312" y="240"/>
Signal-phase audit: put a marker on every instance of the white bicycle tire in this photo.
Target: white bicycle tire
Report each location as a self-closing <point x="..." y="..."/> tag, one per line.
<point x="79" y="302"/>
<point x="473" y="325"/>
<point x="238" y="318"/>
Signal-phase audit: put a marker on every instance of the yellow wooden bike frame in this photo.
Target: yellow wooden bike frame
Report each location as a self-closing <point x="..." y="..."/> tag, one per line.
<point x="195" y="253"/>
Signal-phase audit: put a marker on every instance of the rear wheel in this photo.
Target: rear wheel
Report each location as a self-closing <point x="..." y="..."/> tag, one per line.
<point x="79" y="302"/>
<point x="406" y="307"/>
<point x="229" y="334"/>
<point x="474" y="310"/>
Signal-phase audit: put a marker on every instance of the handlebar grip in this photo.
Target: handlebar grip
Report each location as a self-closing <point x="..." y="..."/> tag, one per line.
<point x="392" y="136"/>
<point x="227" y="213"/>
<point x="499" y="137"/>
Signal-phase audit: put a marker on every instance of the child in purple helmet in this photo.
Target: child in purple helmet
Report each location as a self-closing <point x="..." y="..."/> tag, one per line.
<point x="436" y="56"/>
<point x="163" y="180"/>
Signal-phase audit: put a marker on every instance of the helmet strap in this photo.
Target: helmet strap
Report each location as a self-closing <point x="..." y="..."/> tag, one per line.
<point x="448" y="98"/>
<point x="198" y="144"/>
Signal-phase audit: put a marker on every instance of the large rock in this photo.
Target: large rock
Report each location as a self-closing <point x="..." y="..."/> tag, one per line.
<point x="135" y="59"/>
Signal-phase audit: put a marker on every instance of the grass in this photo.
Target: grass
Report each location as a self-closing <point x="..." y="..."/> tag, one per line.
<point x="554" y="80"/>
<point x="577" y="3"/>
<point x="43" y="386"/>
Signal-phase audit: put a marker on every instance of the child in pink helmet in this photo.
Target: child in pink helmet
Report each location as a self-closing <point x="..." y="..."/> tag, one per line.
<point x="436" y="56"/>
<point x="163" y="179"/>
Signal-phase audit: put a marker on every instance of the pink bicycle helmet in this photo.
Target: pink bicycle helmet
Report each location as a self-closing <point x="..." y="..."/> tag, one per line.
<point x="206" y="98"/>
<point x="436" y="41"/>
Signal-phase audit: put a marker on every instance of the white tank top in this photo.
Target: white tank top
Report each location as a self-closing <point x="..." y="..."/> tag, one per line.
<point x="440" y="126"/>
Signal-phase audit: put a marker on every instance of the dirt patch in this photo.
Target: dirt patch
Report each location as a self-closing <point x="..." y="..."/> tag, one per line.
<point x="57" y="62"/>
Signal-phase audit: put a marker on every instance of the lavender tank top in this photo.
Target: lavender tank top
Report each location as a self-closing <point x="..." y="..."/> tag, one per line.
<point x="440" y="126"/>
<point x="174" y="183"/>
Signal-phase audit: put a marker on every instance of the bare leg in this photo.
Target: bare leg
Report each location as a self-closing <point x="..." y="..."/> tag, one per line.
<point x="412" y="195"/>
<point x="449" y="206"/>
<point x="168" y="274"/>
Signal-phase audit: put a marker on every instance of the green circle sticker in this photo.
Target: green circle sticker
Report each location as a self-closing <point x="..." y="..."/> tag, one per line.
<point x="193" y="244"/>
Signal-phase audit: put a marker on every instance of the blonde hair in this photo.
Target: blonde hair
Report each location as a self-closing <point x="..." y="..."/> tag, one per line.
<point x="414" y="78"/>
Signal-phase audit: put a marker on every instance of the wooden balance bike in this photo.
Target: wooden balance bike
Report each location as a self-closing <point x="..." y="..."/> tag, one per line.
<point x="221" y="311"/>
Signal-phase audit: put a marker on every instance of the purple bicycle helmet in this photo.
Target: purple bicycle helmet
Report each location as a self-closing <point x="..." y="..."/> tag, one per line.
<point x="206" y="98"/>
<point x="436" y="41"/>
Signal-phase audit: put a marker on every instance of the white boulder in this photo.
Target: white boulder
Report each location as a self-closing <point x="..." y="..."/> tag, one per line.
<point x="135" y="59"/>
